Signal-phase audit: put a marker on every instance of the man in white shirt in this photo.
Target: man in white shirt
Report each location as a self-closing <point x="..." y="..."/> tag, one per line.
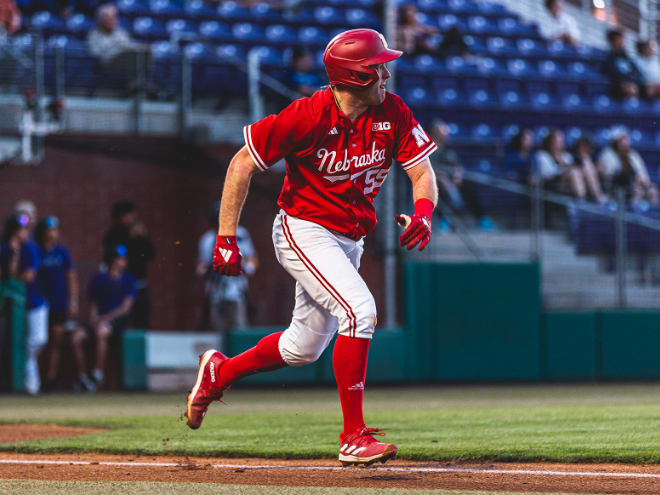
<point x="557" y="25"/>
<point x="648" y="64"/>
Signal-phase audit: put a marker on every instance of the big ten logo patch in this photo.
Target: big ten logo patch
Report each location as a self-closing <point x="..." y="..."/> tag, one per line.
<point x="381" y="126"/>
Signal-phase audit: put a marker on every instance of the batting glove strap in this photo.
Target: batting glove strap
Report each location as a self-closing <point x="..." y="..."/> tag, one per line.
<point x="418" y="232"/>
<point x="226" y="256"/>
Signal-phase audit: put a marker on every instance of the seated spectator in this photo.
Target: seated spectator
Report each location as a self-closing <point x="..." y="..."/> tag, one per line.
<point x="59" y="282"/>
<point x="557" y="25"/>
<point x="116" y="51"/>
<point x="517" y="164"/>
<point x="649" y="65"/>
<point x="456" y="193"/>
<point x="19" y="259"/>
<point x="554" y="167"/>
<point x="301" y="77"/>
<point x="111" y="294"/>
<point x="622" y="166"/>
<point x="415" y="38"/>
<point x="10" y="20"/>
<point x="625" y="77"/>
<point x="582" y="158"/>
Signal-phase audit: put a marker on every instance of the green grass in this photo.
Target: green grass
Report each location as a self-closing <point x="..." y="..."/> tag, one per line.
<point x="618" y="423"/>
<point x="19" y="487"/>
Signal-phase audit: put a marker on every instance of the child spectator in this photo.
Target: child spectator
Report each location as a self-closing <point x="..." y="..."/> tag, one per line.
<point x="111" y="294"/>
<point x="648" y="64"/>
<point x="557" y="25"/>
<point x="517" y="164"/>
<point x="554" y="167"/>
<point x="59" y="282"/>
<point x="302" y="77"/>
<point x="625" y="77"/>
<point x="622" y="166"/>
<point x="582" y="158"/>
<point x="19" y="259"/>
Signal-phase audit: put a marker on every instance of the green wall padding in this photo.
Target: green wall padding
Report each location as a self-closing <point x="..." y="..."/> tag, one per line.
<point x="13" y="294"/>
<point x="134" y="360"/>
<point x="570" y="346"/>
<point x="476" y="321"/>
<point x="630" y="346"/>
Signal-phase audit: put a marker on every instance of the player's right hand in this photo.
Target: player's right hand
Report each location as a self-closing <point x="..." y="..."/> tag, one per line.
<point x="226" y="256"/>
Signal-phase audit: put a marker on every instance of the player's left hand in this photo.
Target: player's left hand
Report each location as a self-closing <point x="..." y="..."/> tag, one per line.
<point x="418" y="226"/>
<point x="227" y="258"/>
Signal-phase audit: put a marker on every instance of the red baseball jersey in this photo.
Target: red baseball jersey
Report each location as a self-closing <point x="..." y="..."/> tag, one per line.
<point x="336" y="167"/>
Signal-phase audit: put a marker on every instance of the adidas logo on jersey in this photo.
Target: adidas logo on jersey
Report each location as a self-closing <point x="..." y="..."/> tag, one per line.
<point x="333" y="131"/>
<point x="356" y="387"/>
<point x="226" y="254"/>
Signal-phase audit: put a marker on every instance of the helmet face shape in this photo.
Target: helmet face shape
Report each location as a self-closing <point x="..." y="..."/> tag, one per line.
<point x="349" y="56"/>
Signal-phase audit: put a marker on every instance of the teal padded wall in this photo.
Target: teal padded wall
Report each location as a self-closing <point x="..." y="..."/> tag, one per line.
<point x="630" y="345"/>
<point x="473" y="321"/>
<point x="134" y="360"/>
<point x="570" y="342"/>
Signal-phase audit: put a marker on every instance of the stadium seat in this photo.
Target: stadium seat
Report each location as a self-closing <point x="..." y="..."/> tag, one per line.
<point x="480" y="98"/>
<point x="247" y="32"/>
<point x="448" y="21"/>
<point x="177" y="27"/>
<point x="328" y="15"/>
<point x="542" y="101"/>
<point x="148" y="28"/>
<point x="498" y="45"/>
<point x="511" y="99"/>
<point x="280" y="34"/>
<point x="519" y="68"/>
<point x="416" y="96"/>
<point x="231" y="10"/>
<point x="165" y="8"/>
<point x="427" y="63"/>
<point x="508" y="131"/>
<point x="571" y="135"/>
<point x="235" y="52"/>
<point x="312" y="35"/>
<point x="133" y="7"/>
<point x="215" y="31"/>
<point x="528" y="47"/>
<point x="572" y="102"/>
<point x="483" y="132"/>
<point x="432" y="5"/>
<point x="47" y="23"/>
<point x="198" y="9"/>
<point x="78" y="23"/>
<point x="549" y="69"/>
<point x="462" y="6"/>
<point x="448" y="97"/>
<point x="263" y="11"/>
<point x="269" y="55"/>
<point x="361" y="18"/>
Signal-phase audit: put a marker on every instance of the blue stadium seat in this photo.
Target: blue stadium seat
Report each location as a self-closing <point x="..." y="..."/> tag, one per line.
<point x="489" y="66"/>
<point x="602" y="137"/>
<point x="177" y="27"/>
<point x="571" y="135"/>
<point x="164" y="50"/>
<point x="231" y="10"/>
<point x="427" y="63"/>
<point x="540" y="133"/>
<point x="480" y="98"/>
<point x="197" y="51"/>
<point x="79" y="24"/>
<point x="236" y="52"/>
<point x="475" y="44"/>
<point x="215" y="31"/>
<point x="199" y="9"/>
<point x="247" y="32"/>
<point x="449" y="97"/>
<point x="542" y="101"/>
<point x="483" y="132"/>
<point x="512" y="27"/>
<point x="448" y="21"/>
<point x="312" y="35"/>
<point x="604" y="103"/>
<point x="519" y="67"/>
<point x="572" y="102"/>
<point x="328" y="15"/>
<point x="148" y="28"/>
<point x="46" y="22"/>
<point x="280" y="34"/>
<point x="498" y="45"/>
<point x="432" y="5"/>
<point x="635" y="106"/>
<point x="263" y="11"/>
<point x="462" y="6"/>
<point x="478" y="24"/>
<point x="416" y="95"/>
<point x="456" y="131"/>
<point x="270" y="56"/>
<point x="508" y="131"/>
<point x="511" y="99"/>
<point x="165" y="8"/>
<point x="528" y="47"/>
<point x="361" y="18"/>
<point x="133" y="7"/>
<point x="549" y="69"/>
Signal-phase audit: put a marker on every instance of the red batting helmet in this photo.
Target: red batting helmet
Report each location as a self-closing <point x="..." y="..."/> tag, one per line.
<point x="349" y="54"/>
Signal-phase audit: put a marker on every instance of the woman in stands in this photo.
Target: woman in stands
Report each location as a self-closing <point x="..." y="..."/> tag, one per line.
<point x="58" y="280"/>
<point x="517" y="164"/>
<point x="583" y="160"/>
<point x="554" y="167"/>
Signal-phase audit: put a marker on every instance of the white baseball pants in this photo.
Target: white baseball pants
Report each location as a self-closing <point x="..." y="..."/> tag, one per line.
<point x="330" y="293"/>
<point x="36" y="339"/>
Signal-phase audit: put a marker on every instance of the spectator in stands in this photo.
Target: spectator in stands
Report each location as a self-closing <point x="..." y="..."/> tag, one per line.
<point x="302" y="77"/>
<point x="557" y="25"/>
<point x="622" y="166"/>
<point x="19" y="259"/>
<point x="111" y="294"/>
<point x="116" y="51"/>
<point x="415" y="38"/>
<point x="131" y="232"/>
<point x="10" y="20"/>
<point x="517" y="164"/>
<point x="226" y="297"/>
<point x="456" y="193"/>
<point x="626" y="79"/>
<point x="554" y="167"/>
<point x="27" y="207"/>
<point x="59" y="282"/>
<point x="648" y="64"/>
<point x="583" y="160"/>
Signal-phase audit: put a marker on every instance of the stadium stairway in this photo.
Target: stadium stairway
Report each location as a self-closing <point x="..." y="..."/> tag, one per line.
<point x="569" y="280"/>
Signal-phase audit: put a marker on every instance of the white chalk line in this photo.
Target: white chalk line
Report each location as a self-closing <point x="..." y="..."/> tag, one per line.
<point x="410" y="469"/>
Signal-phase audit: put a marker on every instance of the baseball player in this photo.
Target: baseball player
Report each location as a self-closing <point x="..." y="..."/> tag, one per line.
<point x="339" y="145"/>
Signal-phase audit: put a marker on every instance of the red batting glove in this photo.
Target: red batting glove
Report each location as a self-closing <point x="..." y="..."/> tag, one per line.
<point x="418" y="231"/>
<point x="226" y="256"/>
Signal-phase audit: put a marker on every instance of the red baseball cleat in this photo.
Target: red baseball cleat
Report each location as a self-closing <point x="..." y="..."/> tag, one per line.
<point x="361" y="448"/>
<point x="207" y="387"/>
